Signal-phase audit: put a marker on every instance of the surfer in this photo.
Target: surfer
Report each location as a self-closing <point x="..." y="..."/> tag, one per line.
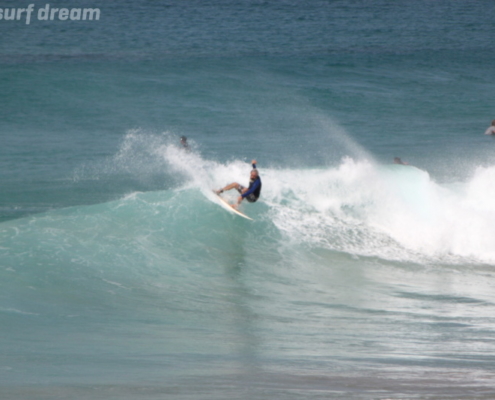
<point x="491" y="129"/>
<point x="250" y="193"/>
<point x="397" y="160"/>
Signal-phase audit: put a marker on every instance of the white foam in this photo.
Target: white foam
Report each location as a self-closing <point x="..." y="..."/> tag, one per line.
<point x="395" y="212"/>
<point x="392" y="212"/>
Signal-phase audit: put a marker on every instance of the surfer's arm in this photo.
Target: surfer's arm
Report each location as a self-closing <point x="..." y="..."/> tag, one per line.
<point x="253" y="163"/>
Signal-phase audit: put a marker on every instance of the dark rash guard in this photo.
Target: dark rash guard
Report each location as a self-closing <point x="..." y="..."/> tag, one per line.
<point x="254" y="189"/>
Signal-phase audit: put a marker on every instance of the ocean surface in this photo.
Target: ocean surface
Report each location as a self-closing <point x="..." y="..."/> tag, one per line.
<point x="122" y="278"/>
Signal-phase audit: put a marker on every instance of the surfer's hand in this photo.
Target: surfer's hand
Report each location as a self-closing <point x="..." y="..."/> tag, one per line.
<point x="253" y="162"/>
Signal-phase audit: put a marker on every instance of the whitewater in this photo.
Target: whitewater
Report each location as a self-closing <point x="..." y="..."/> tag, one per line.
<point x="357" y="206"/>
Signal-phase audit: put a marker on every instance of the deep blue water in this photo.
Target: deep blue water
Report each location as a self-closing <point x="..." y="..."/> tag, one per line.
<point x="121" y="277"/>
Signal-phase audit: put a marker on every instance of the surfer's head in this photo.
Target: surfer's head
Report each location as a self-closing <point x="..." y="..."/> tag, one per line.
<point x="254" y="173"/>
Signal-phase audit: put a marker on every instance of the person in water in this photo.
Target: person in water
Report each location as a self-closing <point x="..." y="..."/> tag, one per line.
<point x="491" y="129"/>
<point x="397" y="160"/>
<point x="183" y="142"/>
<point x="250" y="193"/>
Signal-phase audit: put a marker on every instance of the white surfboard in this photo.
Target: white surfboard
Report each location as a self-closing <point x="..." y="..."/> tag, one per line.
<point x="229" y="207"/>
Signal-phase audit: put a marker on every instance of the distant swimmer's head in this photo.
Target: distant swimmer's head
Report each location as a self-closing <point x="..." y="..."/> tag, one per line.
<point x="493" y="122"/>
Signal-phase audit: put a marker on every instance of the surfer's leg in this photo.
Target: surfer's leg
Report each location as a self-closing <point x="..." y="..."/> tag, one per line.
<point x="233" y="185"/>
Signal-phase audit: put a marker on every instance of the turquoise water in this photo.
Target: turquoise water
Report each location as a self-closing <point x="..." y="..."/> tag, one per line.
<point x="121" y="278"/>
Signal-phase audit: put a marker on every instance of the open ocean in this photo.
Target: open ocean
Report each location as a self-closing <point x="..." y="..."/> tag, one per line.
<point x="120" y="278"/>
